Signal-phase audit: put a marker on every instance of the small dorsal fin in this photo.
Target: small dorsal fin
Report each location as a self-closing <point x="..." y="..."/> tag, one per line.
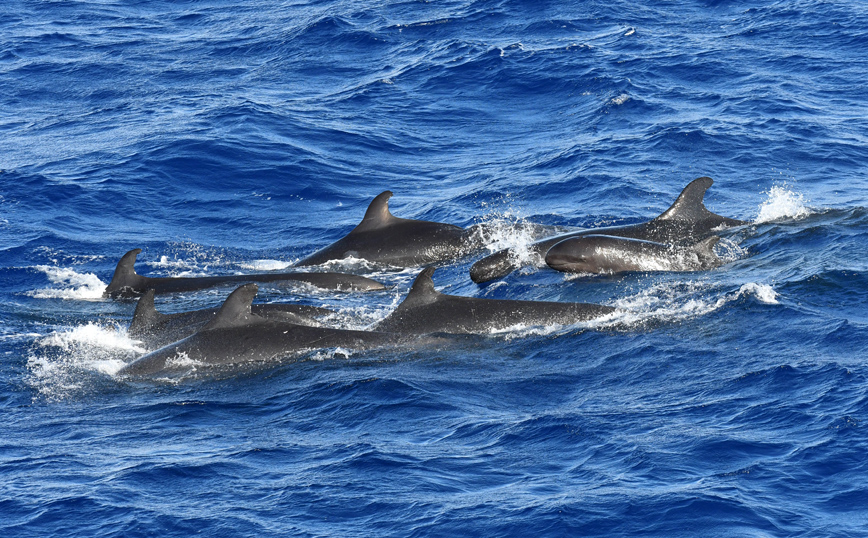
<point x="689" y="205"/>
<point x="377" y="215"/>
<point x="236" y="310"/>
<point x="125" y="274"/>
<point x="422" y="291"/>
<point x="705" y="251"/>
<point x="146" y="314"/>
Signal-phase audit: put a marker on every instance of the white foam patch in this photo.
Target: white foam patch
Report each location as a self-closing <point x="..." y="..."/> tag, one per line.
<point x="508" y="231"/>
<point x="267" y="265"/>
<point x="68" y="361"/>
<point x="69" y="284"/>
<point x="332" y="353"/>
<point x="782" y="203"/>
<point x="621" y="99"/>
<point x="763" y="292"/>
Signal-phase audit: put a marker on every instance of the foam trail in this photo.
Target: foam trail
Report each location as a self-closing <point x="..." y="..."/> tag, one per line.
<point x="85" y="286"/>
<point x="782" y="203"/>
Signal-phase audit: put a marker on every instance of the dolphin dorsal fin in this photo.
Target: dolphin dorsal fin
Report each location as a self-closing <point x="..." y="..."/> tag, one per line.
<point x="689" y="205"/>
<point x="146" y="314"/>
<point x="236" y="310"/>
<point x="377" y="215"/>
<point x="125" y="274"/>
<point x="422" y="291"/>
<point x="705" y="251"/>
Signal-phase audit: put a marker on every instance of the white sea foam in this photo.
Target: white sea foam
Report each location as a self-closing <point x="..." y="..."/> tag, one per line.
<point x="267" y="265"/>
<point x="763" y="292"/>
<point x="71" y="284"/>
<point x="782" y="203"/>
<point x="68" y="360"/>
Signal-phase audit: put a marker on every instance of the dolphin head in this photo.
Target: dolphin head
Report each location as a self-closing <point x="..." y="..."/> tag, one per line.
<point x="572" y="256"/>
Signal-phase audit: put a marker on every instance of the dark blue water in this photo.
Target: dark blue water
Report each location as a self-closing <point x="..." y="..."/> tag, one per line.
<point x="223" y="138"/>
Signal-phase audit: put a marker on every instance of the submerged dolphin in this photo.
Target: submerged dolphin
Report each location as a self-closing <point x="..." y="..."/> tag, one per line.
<point x="236" y="335"/>
<point x="687" y="221"/>
<point x="156" y="329"/>
<point x="127" y="283"/>
<point x="426" y="310"/>
<point x="609" y="254"/>
<point x="384" y="238"/>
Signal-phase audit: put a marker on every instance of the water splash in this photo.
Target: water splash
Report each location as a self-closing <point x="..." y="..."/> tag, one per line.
<point x="74" y="285"/>
<point x="71" y="360"/>
<point x="782" y="203"/>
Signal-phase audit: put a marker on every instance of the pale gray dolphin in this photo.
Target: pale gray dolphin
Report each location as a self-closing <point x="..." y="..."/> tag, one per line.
<point x="425" y="310"/>
<point x="156" y="329"/>
<point x="609" y="254"/>
<point x="686" y="222"/>
<point x="236" y="335"/>
<point x="127" y="283"/>
<point x="384" y="238"/>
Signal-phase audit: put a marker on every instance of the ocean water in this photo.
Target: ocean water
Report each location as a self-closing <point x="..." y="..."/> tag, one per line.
<point x="224" y="138"/>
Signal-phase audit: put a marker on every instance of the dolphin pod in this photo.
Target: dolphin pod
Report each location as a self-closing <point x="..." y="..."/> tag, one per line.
<point x="384" y="238"/>
<point x="156" y="329"/>
<point x="127" y="283"/>
<point x="609" y="254"/>
<point x="680" y="239"/>
<point x="236" y="335"/>
<point x="687" y="221"/>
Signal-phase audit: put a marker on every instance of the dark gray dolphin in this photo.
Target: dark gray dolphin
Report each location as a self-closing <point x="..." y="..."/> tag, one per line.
<point x="127" y="283"/>
<point x="425" y="310"/>
<point x="236" y="335"/>
<point x="384" y="238"/>
<point x="686" y="222"/>
<point x="609" y="254"/>
<point x="156" y="329"/>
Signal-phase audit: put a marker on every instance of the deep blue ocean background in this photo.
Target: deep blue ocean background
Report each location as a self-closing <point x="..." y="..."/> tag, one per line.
<point x="225" y="138"/>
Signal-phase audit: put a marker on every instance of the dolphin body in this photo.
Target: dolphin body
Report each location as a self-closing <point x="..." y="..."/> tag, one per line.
<point x="127" y="283"/>
<point x="384" y="238"/>
<point x="687" y="221"/>
<point x="236" y="335"/>
<point x="425" y="310"/>
<point x="156" y="329"/>
<point x="609" y="254"/>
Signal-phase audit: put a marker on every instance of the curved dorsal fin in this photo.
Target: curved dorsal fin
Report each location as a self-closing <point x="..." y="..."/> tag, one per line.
<point x="125" y="274"/>
<point x="377" y="215"/>
<point x="422" y="291"/>
<point x="236" y="310"/>
<point x="689" y="204"/>
<point x="146" y="314"/>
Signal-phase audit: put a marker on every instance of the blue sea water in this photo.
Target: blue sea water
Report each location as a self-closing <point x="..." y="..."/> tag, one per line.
<point x="224" y="138"/>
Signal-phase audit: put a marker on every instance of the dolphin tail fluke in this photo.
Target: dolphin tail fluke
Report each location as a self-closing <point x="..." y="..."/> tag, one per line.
<point x="689" y="205"/>
<point x="125" y="282"/>
<point x="145" y="316"/>
<point x="705" y="251"/>
<point x="236" y="310"/>
<point x="377" y="215"/>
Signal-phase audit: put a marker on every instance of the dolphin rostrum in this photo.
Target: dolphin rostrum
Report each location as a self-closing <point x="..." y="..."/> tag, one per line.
<point x="609" y="254"/>
<point x="384" y="238"/>
<point x="686" y="222"/>
<point x="127" y="283"/>
<point x="236" y="335"/>
<point x="425" y="310"/>
<point x="156" y="329"/>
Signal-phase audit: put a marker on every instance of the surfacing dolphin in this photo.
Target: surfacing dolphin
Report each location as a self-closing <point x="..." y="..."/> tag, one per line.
<point x="609" y="254"/>
<point x="425" y="310"/>
<point x="686" y="222"/>
<point x="127" y="283"/>
<point x="384" y="238"/>
<point x="236" y="335"/>
<point x="156" y="329"/>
